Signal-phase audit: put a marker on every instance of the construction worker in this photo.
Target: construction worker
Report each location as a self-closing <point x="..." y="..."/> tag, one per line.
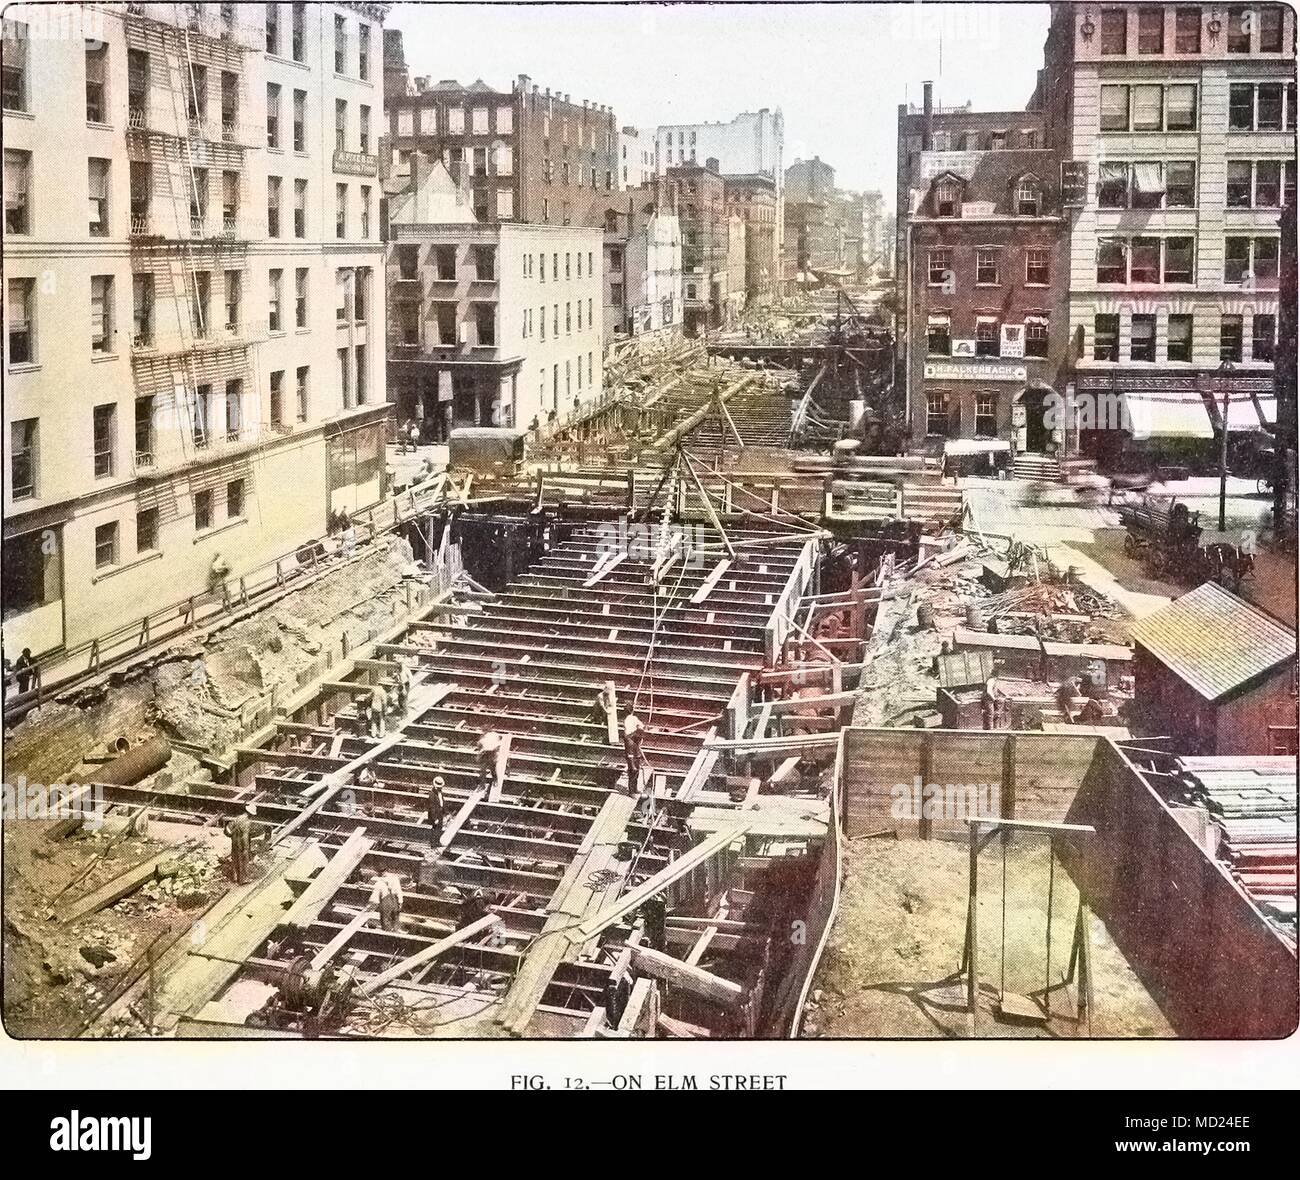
<point x="349" y="538"/>
<point x="25" y="670"/>
<point x="633" y="733"/>
<point x="489" y="745"/>
<point x="437" y="807"/>
<point x="217" y="572"/>
<point x="472" y="908"/>
<point x="1065" y="698"/>
<point x="989" y="703"/>
<point x="240" y="832"/>
<point x="387" y="896"/>
<point x="375" y="709"/>
<point x="403" y="684"/>
<point x="413" y="436"/>
<point x="367" y="782"/>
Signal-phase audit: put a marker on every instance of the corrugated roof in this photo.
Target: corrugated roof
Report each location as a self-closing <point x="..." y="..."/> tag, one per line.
<point x="1215" y="641"/>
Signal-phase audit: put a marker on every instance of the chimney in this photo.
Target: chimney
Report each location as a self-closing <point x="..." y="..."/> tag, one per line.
<point x="422" y="84"/>
<point x="927" y="107"/>
<point x="711" y="164"/>
<point x="566" y="99"/>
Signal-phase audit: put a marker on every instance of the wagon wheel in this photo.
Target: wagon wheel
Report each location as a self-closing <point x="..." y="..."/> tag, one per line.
<point x="1263" y="485"/>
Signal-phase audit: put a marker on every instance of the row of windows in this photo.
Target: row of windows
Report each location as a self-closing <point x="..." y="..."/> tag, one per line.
<point x="450" y="120"/>
<point x="939" y="419"/>
<point x="274" y="129"/>
<point x="1178" y="337"/>
<point x="569" y="367"/>
<point x="528" y="322"/>
<point x="989" y="335"/>
<point x="298" y="40"/>
<point x="574" y="177"/>
<point x="1173" y="106"/>
<point x="1151" y="260"/>
<point x="274" y="224"/>
<point x="1154" y="184"/>
<point x="569" y="262"/>
<point x="988" y="267"/>
<point x="1150" y="36"/>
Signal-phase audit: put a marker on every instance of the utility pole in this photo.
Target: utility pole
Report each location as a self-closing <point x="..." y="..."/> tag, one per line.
<point x="1224" y="370"/>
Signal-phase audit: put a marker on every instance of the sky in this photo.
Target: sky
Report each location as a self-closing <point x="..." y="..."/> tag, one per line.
<point x="837" y="71"/>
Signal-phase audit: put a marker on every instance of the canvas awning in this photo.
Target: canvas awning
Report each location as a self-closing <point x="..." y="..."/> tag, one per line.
<point x="1167" y="414"/>
<point x="1244" y="412"/>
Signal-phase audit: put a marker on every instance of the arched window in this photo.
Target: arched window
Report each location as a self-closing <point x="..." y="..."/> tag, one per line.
<point x="947" y="198"/>
<point x="1028" y="197"/>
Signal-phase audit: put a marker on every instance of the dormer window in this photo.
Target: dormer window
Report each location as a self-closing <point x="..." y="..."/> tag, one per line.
<point x="1029" y="198"/>
<point x="947" y="198"/>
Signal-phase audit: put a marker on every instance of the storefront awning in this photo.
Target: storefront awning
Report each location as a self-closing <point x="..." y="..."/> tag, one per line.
<point x="1244" y="412"/>
<point x="975" y="446"/>
<point x="1168" y="413"/>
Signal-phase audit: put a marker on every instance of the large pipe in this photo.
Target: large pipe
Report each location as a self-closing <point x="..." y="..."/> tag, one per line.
<point x="137" y="763"/>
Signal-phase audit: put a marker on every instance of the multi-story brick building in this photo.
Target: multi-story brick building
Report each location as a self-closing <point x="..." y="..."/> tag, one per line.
<point x="699" y="196"/>
<point x="192" y="364"/>
<point x="523" y="154"/>
<point x="982" y="338"/>
<point x="490" y="324"/>
<point x="643" y="265"/>
<point x="1180" y="124"/>
<point x="753" y="199"/>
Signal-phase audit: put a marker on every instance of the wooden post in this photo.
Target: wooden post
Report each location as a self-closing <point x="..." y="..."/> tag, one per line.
<point x="972" y="942"/>
<point x="1008" y="803"/>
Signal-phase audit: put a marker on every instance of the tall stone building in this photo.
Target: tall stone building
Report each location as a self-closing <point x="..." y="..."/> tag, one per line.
<point x="193" y="314"/>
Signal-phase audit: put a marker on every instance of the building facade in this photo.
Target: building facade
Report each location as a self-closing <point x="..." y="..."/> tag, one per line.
<point x="1179" y="123"/>
<point x="984" y="338"/>
<point x="643" y="266"/>
<point x="490" y="325"/>
<point x="752" y="142"/>
<point x="524" y="155"/>
<point x="636" y="158"/>
<point x="192" y="300"/>
<point x="752" y="198"/>
<point x="699" y="196"/>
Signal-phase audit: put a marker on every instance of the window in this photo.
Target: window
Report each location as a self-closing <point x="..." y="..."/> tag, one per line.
<point x="19" y="329"/>
<point x="408" y="262"/>
<point x="275" y="280"/>
<point x="101" y="314"/>
<point x="234" y="409"/>
<point x="1241" y="106"/>
<point x="342" y="294"/>
<point x="340" y="210"/>
<point x="277" y="397"/>
<point x="202" y="282"/>
<point x="1036" y="335"/>
<point x="299" y="208"/>
<point x="1236" y="259"/>
<point x="444" y="263"/>
<point x="300" y="297"/>
<point x="299" y="33"/>
<point x="936" y="414"/>
<point x="340" y="124"/>
<point x="1240" y="21"/>
<point x="1114" y="32"/>
<point x="485" y="264"/>
<point x="505" y="204"/>
<point x="1144" y="260"/>
<point x="272" y="28"/>
<point x="1147" y="190"/>
<point x="363" y="115"/>
<point x="987" y="336"/>
<point x="363" y="63"/>
<point x="938" y="337"/>
<point x="1105" y="337"/>
<point x="104" y="419"/>
<point x="1180" y="107"/>
<point x="198" y="201"/>
<point x="345" y="379"/>
<point x="98" y="180"/>
<point x="202" y="416"/>
<point x="142" y="310"/>
<point x="1180" y="337"/>
<point x="947" y="198"/>
<point x="13" y="66"/>
<point x="1268" y="107"/>
<point x="485" y="324"/>
<point x="273" y="206"/>
<point x="195" y="81"/>
<point x="1112" y="260"/>
<point x="1270" y="29"/>
<point x="986" y="415"/>
<point x="105" y="545"/>
<point x="301" y="393"/>
<point x="1230" y="338"/>
<point x="1038" y="267"/>
<point x="1263" y="335"/>
<point x="361" y="294"/>
<point x="365" y="211"/>
<point x="1142" y="338"/>
<point x="1187" y="30"/>
<point x="235" y="499"/>
<point x="940" y="262"/>
<point x="1179" y="258"/>
<point x="1288" y="184"/>
<point x="986" y="267"/>
<point x="340" y="45"/>
<point x="1268" y="183"/>
<point x="1028" y="198"/>
<point x="1112" y="186"/>
<point x="272" y="115"/>
<point x="229" y="203"/>
<point x="299" y="120"/>
<point x="1148" y="108"/>
<point x="444" y="321"/>
<point x="1114" y="108"/>
<point x="541" y="316"/>
<point x="1266" y="260"/>
<point x="568" y="318"/>
<point x="17" y="184"/>
<point x="1151" y="30"/>
<point x="96" y="75"/>
<point x="234" y="295"/>
<point x="202" y="510"/>
<point x="1180" y="185"/>
<point x="23" y="450"/>
<point x="144" y="432"/>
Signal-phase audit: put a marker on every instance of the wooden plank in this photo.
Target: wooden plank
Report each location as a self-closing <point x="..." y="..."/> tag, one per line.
<point x="684" y="864"/>
<point x="700" y="769"/>
<point x="697" y="981"/>
<point x="337" y="943"/>
<point x="785" y="770"/>
<point x="636" y="1004"/>
<point x="715" y="575"/>
<point x="329" y="880"/>
<point x="611" y="712"/>
<point x="121" y="886"/>
<point x="604" y="568"/>
<point x="429" y="953"/>
<point x="461" y="816"/>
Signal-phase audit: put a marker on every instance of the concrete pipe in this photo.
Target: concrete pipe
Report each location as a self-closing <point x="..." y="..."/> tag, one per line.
<point x="137" y="763"/>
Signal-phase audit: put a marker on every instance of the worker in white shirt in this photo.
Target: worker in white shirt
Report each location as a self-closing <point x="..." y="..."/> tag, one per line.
<point x="387" y="896"/>
<point x="633" y="732"/>
<point x="375" y="709"/>
<point x="489" y="745"/>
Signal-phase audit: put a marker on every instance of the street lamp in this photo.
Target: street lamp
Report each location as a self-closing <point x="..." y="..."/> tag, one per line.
<point x="1225" y="371"/>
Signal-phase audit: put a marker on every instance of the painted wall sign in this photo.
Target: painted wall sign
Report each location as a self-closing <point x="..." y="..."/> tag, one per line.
<point x="974" y="371"/>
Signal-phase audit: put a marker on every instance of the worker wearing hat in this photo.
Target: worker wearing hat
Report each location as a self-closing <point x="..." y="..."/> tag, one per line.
<point x="241" y="845"/>
<point x="437" y="807"/>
